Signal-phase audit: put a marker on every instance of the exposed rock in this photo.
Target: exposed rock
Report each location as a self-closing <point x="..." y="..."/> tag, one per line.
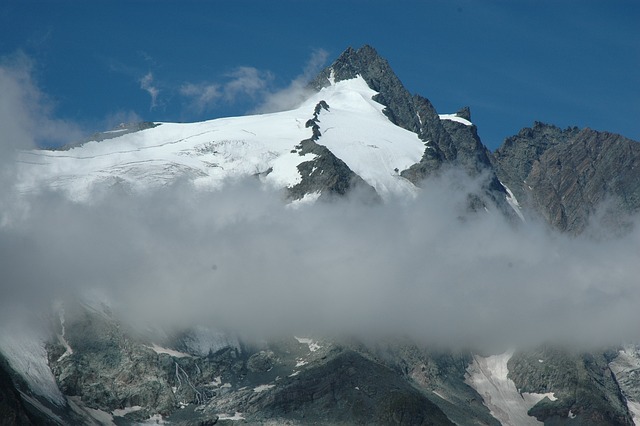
<point x="261" y="362"/>
<point x="585" y="388"/>
<point x="350" y="389"/>
<point x="448" y="143"/>
<point x="326" y="174"/>
<point x="12" y="408"/>
<point x="441" y="377"/>
<point x="572" y="177"/>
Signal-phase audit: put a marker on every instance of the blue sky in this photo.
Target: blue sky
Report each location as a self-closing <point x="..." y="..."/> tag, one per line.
<point x="93" y="64"/>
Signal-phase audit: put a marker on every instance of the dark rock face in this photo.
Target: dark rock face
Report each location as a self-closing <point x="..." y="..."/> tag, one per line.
<point x="567" y="175"/>
<point x="441" y="377"/>
<point x="585" y="387"/>
<point x="348" y="388"/>
<point x="12" y="408"/>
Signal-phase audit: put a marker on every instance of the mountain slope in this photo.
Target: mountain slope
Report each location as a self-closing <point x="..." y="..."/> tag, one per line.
<point x="567" y="175"/>
<point x="451" y="139"/>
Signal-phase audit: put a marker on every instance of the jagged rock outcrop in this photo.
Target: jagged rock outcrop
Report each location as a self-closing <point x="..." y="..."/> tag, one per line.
<point x="584" y="387"/>
<point x="572" y="177"/>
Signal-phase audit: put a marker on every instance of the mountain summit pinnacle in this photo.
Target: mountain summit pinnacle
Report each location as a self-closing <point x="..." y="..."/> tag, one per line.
<point x="377" y="72"/>
<point x="365" y="62"/>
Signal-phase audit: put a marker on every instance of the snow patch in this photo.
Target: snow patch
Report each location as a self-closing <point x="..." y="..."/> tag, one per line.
<point x="513" y="202"/>
<point x="453" y="117"/>
<point x="160" y="350"/>
<point x="313" y="346"/>
<point x="68" y="351"/>
<point x="634" y="409"/>
<point x="438" y="394"/>
<point x="488" y="376"/>
<point x="627" y="363"/>
<point x="24" y="349"/>
<point x="332" y="77"/>
<point x="262" y="388"/>
<point x="236" y="416"/>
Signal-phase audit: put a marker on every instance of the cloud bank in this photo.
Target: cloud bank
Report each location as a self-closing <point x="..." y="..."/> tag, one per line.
<point x="239" y="259"/>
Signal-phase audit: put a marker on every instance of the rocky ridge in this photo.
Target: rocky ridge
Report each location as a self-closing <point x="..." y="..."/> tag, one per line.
<point x="572" y="177"/>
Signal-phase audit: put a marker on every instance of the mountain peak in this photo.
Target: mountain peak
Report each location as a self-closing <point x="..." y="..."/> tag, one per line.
<point x="377" y="73"/>
<point x="365" y="62"/>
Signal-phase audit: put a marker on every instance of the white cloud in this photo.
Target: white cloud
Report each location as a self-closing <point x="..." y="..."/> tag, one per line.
<point x="297" y="91"/>
<point x="146" y="84"/>
<point x="246" y="81"/>
<point x="237" y="258"/>
<point x="26" y="114"/>
<point x="251" y="83"/>
<point x="242" y="83"/>
<point x="203" y="95"/>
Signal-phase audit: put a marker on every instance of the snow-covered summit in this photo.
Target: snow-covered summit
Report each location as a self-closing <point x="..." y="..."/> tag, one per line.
<point x="354" y="129"/>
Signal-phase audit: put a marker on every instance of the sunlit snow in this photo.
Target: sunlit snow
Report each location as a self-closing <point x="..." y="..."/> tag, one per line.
<point x="453" y="117"/>
<point x="207" y="153"/>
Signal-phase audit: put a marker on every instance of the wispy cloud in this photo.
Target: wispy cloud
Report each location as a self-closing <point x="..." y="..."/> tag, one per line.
<point x="202" y="96"/>
<point x="297" y="91"/>
<point x="241" y="84"/>
<point x="147" y="84"/>
<point x="26" y="114"/>
<point x="246" y="81"/>
<point x="249" y="83"/>
<point x="237" y="258"/>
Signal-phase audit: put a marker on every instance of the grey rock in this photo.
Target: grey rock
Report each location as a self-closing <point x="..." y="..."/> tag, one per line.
<point x="261" y="361"/>
<point x="446" y="143"/>
<point x="327" y="174"/>
<point x="349" y="388"/>
<point x="583" y="384"/>
<point x="573" y="177"/>
<point x="441" y="376"/>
